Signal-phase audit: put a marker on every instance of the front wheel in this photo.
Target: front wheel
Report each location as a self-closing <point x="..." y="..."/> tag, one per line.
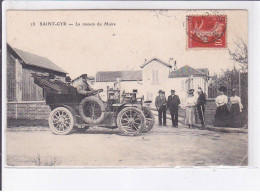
<point x="61" y="121"/>
<point x="131" y="121"/>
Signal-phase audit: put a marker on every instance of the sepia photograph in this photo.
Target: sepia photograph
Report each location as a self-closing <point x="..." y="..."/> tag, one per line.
<point x="126" y="88"/>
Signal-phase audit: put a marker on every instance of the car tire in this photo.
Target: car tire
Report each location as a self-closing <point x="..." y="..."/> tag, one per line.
<point x="61" y="121"/>
<point x="131" y="121"/>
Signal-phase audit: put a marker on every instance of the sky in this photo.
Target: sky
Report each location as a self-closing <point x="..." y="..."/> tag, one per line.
<point x="130" y="38"/>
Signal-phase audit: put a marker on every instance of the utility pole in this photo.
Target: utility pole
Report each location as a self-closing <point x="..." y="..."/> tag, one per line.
<point x="239" y="82"/>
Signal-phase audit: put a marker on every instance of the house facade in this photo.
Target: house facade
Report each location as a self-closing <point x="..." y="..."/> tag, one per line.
<point x="155" y="77"/>
<point x="158" y="75"/>
<point x="187" y="78"/>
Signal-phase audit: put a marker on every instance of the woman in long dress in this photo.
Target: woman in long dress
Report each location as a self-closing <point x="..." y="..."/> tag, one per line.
<point x="235" y="110"/>
<point x="190" y="104"/>
<point x="222" y="118"/>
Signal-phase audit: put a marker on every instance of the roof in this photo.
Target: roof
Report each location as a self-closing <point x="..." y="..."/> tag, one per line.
<point x="186" y="71"/>
<point x="156" y="59"/>
<point x="37" y="61"/>
<point x="204" y="70"/>
<point x="112" y="76"/>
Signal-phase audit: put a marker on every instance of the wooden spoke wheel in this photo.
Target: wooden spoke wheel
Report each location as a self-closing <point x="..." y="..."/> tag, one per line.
<point x="61" y="121"/>
<point x="149" y="119"/>
<point x="131" y="121"/>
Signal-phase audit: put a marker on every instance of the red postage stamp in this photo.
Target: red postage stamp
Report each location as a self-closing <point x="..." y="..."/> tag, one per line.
<point x="207" y="31"/>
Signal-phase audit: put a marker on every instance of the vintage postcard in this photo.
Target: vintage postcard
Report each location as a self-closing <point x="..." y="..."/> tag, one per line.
<point x="127" y="88"/>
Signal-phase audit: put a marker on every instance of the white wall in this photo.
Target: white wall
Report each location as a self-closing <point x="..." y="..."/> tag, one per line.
<point x="155" y="76"/>
<point x="178" y="84"/>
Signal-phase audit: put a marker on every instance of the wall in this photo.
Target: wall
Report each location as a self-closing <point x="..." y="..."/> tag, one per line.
<point x="210" y="110"/>
<point x="155" y="76"/>
<point x="31" y="91"/>
<point x="20" y="84"/>
<point x="11" y="80"/>
<point x="28" y="110"/>
<point x="179" y="84"/>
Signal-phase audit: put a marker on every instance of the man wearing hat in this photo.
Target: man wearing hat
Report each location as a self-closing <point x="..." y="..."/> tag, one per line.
<point x="201" y="106"/>
<point x="161" y="106"/>
<point x="68" y="80"/>
<point x="173" y="103"/>
<point x="84" y="87"/>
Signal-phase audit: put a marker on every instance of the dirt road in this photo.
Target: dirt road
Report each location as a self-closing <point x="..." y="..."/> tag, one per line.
<point x="161" y="147"/>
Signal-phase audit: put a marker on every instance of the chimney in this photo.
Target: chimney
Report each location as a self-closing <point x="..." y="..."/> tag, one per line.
<point x="175" y="65"/>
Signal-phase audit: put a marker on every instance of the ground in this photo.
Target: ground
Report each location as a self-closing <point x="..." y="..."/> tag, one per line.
<point x="161" y="147"/>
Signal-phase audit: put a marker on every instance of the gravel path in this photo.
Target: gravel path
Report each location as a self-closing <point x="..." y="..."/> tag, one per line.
<point x="161" y="147"/>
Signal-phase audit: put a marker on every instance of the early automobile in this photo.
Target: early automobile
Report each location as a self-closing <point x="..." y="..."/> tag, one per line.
<point x="72" y="110"/>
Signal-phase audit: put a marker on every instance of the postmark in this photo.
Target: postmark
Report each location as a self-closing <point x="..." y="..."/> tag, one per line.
<point x="206" y="31"/>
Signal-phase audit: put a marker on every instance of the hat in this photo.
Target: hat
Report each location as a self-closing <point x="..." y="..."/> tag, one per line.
<point x="51" y="75"/>
<point x="172" y="90"/>
<point x="84" y="76"/>
<point x="233" y="91"/>
<point x="68" y="79"/>
<point x="222" y="88"/>
<point x="160" y="91"/>
<point x="190" y="91"/>
<point x="163" y="92"/>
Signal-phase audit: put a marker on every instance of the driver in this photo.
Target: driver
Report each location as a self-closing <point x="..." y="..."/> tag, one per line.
<point x="84" y="87"/>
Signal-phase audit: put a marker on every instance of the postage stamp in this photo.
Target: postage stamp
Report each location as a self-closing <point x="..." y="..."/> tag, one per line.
<point x="207" y="31"/>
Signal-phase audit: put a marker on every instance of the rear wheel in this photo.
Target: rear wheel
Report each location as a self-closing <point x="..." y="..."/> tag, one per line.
<point x="131" y="121"/>
<point x="149" y="119"/>
<point x="61" y="121"/>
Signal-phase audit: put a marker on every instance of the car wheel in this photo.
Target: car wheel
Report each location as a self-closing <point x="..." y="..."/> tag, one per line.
<point x="61" y="121"/>
<point x="131" y="121"/>
<point x="149" y="119"/>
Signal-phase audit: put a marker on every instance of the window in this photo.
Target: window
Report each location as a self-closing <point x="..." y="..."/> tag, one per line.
<point x="155" y="77"/>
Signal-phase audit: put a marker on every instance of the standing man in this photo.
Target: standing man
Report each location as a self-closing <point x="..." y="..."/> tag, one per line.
<point x="201" y="106"/>
<point x="161" y="106"/>
<point x="173" y="105"/>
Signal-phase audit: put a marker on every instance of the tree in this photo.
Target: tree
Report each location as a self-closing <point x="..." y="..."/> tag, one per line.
<point x="240" y="54"/>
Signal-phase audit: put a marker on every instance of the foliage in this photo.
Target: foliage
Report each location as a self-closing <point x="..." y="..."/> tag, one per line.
<point x="240" y="54"/>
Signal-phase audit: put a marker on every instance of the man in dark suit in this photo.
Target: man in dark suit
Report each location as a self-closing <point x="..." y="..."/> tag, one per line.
<point x="201" y="106"/>
<point x="173" y="103"/>
<point x="161" y="106"/>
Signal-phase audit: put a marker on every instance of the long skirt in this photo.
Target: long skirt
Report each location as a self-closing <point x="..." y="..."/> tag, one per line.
<point x="190" y="115"/>
<point x="222" y="117"/>
<point x="235" y="116"/>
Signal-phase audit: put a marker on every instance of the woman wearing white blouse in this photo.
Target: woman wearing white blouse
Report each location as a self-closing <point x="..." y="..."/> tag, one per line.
<point x="190" y="104"/>
<point x="222" y="114"/>
<point x="235" y="110"/>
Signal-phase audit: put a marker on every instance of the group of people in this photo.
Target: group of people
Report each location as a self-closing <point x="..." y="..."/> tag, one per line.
<point x="229" y="109"/>
<point x="173" y="102"/>
<point x="228" y="112"/>
<point x="192" y="104"/>
<point x="162" y="104"/>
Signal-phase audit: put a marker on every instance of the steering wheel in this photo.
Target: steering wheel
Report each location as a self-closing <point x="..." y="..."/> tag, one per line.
<point x="95" y="92"/>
